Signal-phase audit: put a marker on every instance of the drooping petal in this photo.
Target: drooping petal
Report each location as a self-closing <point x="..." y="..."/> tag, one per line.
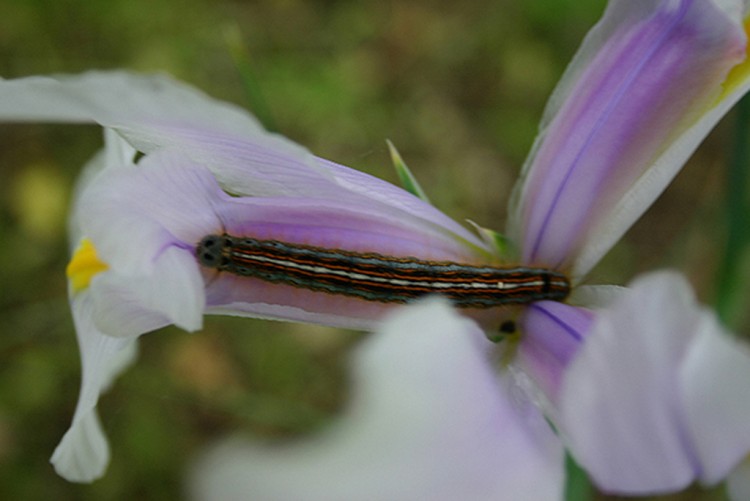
<point x="428" y="420"/>
<point x="83" y="452"/>
<point x="649" y="82"/>
<point x="634" y="406"/>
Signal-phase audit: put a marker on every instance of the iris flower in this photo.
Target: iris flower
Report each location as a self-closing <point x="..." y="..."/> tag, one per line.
<point x="641" y="384"/>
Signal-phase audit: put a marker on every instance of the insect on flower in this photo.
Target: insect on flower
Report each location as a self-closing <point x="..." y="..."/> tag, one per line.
<point x="376" y="277"/>
<point x="642" y="385"/>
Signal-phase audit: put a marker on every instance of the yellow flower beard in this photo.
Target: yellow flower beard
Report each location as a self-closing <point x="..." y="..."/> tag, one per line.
<point x="740" y="73"/>
<point x="84" y="265"/>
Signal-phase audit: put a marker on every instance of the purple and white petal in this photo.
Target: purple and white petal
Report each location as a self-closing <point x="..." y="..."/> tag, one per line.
<point x="644" y="89"/>
<point x="372" y="189"/>
<point x="634" y="407"/>
<point x="83" y="452"/>
<point x="246" y="170"/>
<point x="429" y="420"/>
<point x="134" y="215"/>
<point x="155" y="113"/>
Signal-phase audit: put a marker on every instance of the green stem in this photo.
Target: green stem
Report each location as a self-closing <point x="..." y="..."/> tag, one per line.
<point x="578" y="486"/>
<point x="736" y="206"/>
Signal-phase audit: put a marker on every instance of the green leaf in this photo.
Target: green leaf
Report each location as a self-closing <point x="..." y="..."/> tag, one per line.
<point x="501" y="244"/>
<point x="408" y="181"/>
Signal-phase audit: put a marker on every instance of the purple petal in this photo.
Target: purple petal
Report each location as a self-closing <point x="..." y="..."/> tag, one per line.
<point x="372" y="189"/>
<point x="428" y="420"/>
<point x="648" y="404"/>
<point x="251" y="168"/>
<point x="552" y="334"/>
<point x="643" y="91"/>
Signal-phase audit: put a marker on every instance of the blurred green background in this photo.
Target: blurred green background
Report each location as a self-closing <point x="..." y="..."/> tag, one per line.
<point x="458" y="87"/>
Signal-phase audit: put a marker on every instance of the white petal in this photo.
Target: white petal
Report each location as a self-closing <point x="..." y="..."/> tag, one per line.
<point x="116" y="153"/>
<point x="119" y="152"/>
<point x="83" y="452"/>
<point x="428" y="420"/>
<point x="119" y="99"/>
<point x="132" y="305"/>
